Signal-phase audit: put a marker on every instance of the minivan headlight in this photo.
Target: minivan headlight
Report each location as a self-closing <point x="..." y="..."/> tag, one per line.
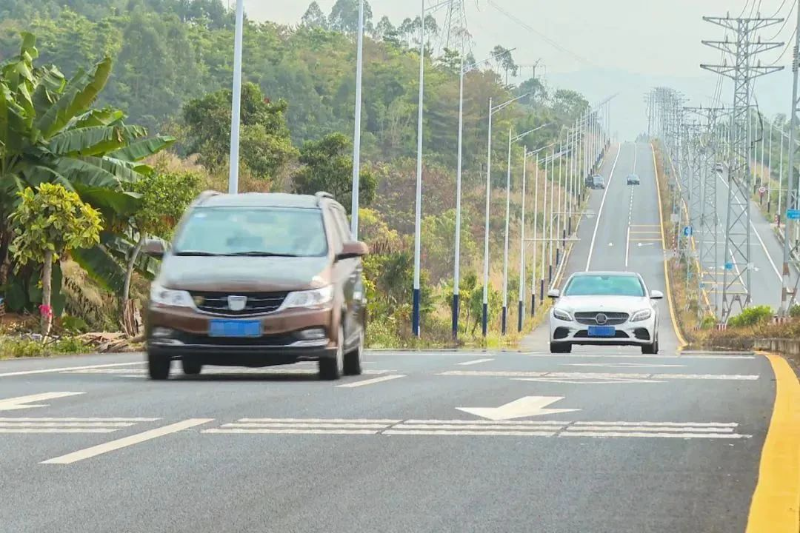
<point x="168" y="297"/>
<point x="561" y="314"/>
<point x="309" y="299"/>
<point x="644" y="314"/>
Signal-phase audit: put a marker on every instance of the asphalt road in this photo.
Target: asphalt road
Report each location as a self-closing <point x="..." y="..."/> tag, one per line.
<point x="603" y="440"/>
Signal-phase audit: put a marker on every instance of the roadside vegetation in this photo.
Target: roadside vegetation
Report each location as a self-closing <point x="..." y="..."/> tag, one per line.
<point x="117" y="114"/>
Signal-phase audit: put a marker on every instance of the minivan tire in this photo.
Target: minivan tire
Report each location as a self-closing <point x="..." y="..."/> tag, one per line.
<point x="158" y="367"/>
<point x="330" y="368"/>
<point x="352" y="359"/>
<point x="191" y="368"/>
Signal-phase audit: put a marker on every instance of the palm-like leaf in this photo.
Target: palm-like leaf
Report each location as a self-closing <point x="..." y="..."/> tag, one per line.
<point x="94" y="141"/>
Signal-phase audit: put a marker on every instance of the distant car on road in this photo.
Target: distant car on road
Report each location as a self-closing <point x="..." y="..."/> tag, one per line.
<point x="604" y="309"/>
<point x="633" y="179"/>
<point x="258" y="280"/>
<point x="598" y="182"/>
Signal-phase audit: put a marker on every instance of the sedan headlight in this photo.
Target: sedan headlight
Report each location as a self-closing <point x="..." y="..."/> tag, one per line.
<point x="168" y="297"/>
<point x="309" y="299"/>
<point x="561" y="314"/>
<point x="644" y="314"/>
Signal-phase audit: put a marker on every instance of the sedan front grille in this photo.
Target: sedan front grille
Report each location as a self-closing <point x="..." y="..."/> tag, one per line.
<point x="589" y="318"/>
<point x="216" y="303"/>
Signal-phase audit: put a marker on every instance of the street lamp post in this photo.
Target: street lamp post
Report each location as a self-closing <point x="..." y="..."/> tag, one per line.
<point x="415" y="316"/>
<point x="511" y="140"/>
<point x="521" y="306"/>
<point x="492" y="111"/>
<point x="236" y="112"/>
<point x="457" y="267"/>
<point x="357" y="132"/>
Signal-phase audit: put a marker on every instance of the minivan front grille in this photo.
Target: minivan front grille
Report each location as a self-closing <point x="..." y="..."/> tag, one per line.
<point x="217" y="303"/>
<point x="590" y="318"/>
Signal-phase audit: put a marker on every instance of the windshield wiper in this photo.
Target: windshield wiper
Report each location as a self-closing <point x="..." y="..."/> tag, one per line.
<point x="260" y="254"/>
<point x="195" y="253"/>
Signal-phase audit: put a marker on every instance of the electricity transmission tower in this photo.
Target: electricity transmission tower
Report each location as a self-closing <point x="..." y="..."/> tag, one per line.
<point x="791" y="229"/>
<point x="454" y="31"/>
<point x="736" y="288"/>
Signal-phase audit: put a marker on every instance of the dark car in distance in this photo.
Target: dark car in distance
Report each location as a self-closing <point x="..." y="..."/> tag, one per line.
<point x="598" y="182"/>
<point x="633" y="179"/>
<point x="258" y="280"/>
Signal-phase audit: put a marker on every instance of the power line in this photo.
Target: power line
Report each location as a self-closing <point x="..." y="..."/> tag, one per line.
<point x="785" y="20"/>
<point x="546" y="38"/>
<point x="785" y="48"/>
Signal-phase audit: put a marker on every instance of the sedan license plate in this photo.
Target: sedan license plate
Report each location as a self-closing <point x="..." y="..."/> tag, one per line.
<point x="602" y="331"/>
<point x="235" y="328"/>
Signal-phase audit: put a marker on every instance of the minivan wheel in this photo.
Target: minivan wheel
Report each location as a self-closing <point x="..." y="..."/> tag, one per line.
<point x="330" y="368"/>
<point x="158" y="366"/>
<point x="352" y="359"/>
<point x="191" y="368"/>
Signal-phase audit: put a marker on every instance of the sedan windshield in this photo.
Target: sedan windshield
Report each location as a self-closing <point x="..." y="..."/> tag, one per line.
<point x="600" y="285"/>
<point x="264" y="232"/>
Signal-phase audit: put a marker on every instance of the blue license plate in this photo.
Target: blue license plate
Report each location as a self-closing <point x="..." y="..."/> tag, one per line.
<point x="602" y="331"/>
<point x="234" y="328"/>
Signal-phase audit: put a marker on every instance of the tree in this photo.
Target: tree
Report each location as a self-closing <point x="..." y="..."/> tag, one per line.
<point x="328" y="166"/>
<point x="49" y="133"/>
<point x="505" y="61"/>
<point x="265" y="143"/>
<point x="314" y="17"/>
<point x="164" y="198"/>
<point x="47" y="225"/>
<point x="344" y="16"/>
<point x="384" y="29"/>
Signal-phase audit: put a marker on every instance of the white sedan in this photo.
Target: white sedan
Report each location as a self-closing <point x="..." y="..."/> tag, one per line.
<point x="605" y="309"/>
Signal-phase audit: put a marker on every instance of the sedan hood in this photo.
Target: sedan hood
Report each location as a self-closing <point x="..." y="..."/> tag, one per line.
<point x="244" y="274"/>
<point x="622" y="304"/>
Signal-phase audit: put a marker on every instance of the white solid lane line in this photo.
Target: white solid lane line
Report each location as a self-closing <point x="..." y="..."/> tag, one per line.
<point x="597" y="375"/>
<point x="64" y="369"/>
<point x="114" y="445"/>
<point x="372" y="381"/>
<point x="600" y="211"/>
<point x="475" y="362"/>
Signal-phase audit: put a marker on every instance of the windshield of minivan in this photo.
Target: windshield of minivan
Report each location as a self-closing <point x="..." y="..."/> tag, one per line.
<point x="600" y="285"/>
<point x="253" y="231"/>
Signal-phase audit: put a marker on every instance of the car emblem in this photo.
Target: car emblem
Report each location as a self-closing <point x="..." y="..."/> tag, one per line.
<point x="601" y="318"/>
<point x="237" y="303"/>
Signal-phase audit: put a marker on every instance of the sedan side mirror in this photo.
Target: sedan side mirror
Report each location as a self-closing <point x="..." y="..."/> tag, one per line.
<point x="554" y="294"/>
<point x="351" y="250"/>
<point x="155" y="248"/>
<point x="656" y="295"/>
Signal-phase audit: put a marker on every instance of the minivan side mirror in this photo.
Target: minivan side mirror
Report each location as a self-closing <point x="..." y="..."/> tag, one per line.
<point x="154" y="248"/>
<point x="353" y="249"/>
<point x="656" y="295"/>
<point x="554" y="294"/>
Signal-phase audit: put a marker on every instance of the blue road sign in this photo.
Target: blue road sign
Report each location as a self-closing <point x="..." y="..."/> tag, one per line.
<point x="687" y="231"/>
<point x="793" y="214"/>
<point x="729" y="266"/>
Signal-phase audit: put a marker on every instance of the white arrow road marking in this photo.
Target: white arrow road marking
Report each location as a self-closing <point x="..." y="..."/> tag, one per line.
<point x="23" y="402"/>
<point x="521" y="408"/>
<point x="126" y="441"/>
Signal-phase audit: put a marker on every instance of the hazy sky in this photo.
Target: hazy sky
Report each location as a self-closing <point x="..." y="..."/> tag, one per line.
<point x="613" y="45"/>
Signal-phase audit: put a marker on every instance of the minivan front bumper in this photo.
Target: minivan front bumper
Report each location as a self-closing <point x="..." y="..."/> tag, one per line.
<point x="180" y="333"/>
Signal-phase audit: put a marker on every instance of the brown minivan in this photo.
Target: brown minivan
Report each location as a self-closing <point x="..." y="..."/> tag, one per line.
<point x="258" y="280"/>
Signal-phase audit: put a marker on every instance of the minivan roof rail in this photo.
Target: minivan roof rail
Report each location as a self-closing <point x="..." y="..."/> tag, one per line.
<point x="205" y="195"/>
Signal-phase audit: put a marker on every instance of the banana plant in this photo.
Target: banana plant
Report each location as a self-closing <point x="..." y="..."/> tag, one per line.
<point x="51" y="133"/>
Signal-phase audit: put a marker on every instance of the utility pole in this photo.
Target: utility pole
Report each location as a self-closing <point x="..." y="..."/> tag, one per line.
<point x="791" y="245"/>
<point x="415" y="313"/>
<point x="737" y="274"/>
<point x="521" y="306"/>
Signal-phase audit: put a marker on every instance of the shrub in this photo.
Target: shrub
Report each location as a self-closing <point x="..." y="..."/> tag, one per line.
<point x="752" y="316"/>
<point x="794" y="311"/>
<point x="708" y="322"/>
